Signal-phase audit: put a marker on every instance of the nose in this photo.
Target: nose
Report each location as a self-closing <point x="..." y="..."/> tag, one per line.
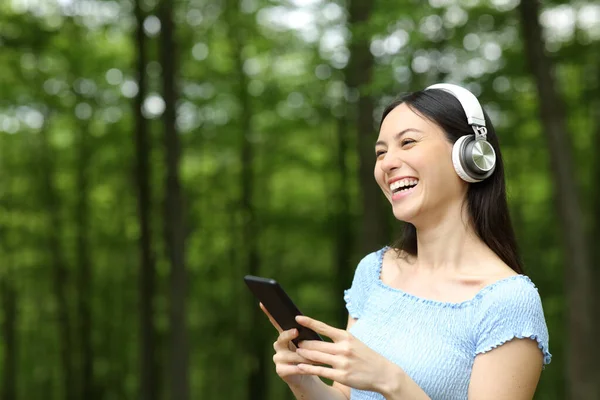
<point x="390" y="162"/>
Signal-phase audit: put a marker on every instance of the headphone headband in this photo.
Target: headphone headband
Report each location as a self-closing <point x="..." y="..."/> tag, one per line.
<point x="468" y="101"/>
<point x="473" y="157"/>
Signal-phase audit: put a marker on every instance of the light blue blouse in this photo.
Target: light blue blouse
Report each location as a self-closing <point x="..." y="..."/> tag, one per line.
<point x="436" y="342"/>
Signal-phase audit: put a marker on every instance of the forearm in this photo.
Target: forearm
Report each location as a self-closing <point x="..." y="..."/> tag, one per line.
<point x="315" y="389"/>
<point x="401" y="387"/>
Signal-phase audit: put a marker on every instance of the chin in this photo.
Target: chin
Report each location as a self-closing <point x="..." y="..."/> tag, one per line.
<point x="404" y="215"/>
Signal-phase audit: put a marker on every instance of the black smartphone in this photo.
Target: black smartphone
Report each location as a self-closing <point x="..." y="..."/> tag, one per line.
<point x="280" y="306"/>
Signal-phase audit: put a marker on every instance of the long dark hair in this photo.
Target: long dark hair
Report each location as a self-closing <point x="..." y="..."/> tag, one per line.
<point x="486" y="201"/>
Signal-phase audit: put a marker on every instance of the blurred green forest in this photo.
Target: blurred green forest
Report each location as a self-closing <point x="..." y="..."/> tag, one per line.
<point x="153" y="152"/>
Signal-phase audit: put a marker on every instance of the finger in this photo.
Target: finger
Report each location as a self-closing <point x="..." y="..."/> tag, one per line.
<point x="290" y="357"/>
<point x="325" y="347"/>
<point x="321" y="327"/>
<point x="284" y="370"/>
<point x="273" y="322"/>
<point x="317" y="357"/>
<point x="323" y="372"/>
<point x="285" y="337"/>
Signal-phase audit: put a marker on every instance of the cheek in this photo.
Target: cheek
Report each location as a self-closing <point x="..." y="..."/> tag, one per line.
<point x="377" y="171"/>
<point x="443" y="177"/>
<point x="437" y="166"/>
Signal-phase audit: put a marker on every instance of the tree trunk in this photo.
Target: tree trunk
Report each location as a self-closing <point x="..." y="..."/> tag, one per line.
<point x="375" y="227"/>
<point x="258" y="379"/>
<point x="257" y="383"/>
<point x="9" y="334"/>
<point x="85" y="268"/>
<point x="174" y="225"/>
<point x="582" y="381"/>
<point x="343" y="227"/>
<point x="149" y="377"/>
<point x="596" y="198"/>
<point x="58" y="266"/>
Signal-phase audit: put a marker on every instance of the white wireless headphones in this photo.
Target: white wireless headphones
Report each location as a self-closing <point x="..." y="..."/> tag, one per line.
<point x="473" y="157"/>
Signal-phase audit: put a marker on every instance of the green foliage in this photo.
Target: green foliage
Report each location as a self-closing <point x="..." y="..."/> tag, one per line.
<point x="68" y="72"/>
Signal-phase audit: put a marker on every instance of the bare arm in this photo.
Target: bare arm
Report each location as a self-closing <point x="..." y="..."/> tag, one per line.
<point x="511" y="371"/>
<point x="316" y="389"/>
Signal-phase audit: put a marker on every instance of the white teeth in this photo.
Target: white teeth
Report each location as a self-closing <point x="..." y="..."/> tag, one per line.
<point x="402" y="183"/>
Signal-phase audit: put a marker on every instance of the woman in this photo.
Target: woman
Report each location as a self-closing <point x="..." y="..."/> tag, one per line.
<point x="446" y="313"/>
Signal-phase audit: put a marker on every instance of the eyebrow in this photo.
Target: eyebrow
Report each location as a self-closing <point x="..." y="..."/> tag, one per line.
<point x="397" y="136"/>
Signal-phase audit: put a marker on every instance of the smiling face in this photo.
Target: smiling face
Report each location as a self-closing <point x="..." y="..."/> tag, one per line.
<point x="414" y="167"/>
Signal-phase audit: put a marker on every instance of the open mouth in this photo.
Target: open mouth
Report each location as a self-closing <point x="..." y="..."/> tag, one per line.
<point x="403" y="185"/>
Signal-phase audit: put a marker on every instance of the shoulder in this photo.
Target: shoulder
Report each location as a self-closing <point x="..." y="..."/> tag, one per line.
<point x="513" y="298"/>
<point x="371" y="263"/>
<point x="512" y="291"/>
<point x="510" y="308"/>
<point x="491" y="281"/>
<point x="364" y="280"/>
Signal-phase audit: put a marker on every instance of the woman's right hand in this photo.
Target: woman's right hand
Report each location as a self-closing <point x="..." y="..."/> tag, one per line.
<point x="286" y="359"/>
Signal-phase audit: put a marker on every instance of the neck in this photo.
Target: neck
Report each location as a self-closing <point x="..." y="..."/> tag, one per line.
<point x="448" y="240"/>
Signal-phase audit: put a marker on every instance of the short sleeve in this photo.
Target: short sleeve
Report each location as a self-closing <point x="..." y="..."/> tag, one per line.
<point x="511" y="311"/>
<point x="364" y="278"/>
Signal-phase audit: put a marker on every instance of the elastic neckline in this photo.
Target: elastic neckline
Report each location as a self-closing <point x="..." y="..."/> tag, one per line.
<point x="439" y="303"/>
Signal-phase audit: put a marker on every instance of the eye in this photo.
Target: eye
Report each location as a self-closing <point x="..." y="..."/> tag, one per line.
<point x="407" y="142"/>
<point x="379" y="153"/>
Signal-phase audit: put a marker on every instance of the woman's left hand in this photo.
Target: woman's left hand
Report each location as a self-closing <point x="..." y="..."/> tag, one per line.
<point x="350" y="361"/>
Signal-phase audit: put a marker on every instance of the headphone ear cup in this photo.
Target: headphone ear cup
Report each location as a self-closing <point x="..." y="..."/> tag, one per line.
<point x="458" y="158"/>
<point x="479" y="159"/>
